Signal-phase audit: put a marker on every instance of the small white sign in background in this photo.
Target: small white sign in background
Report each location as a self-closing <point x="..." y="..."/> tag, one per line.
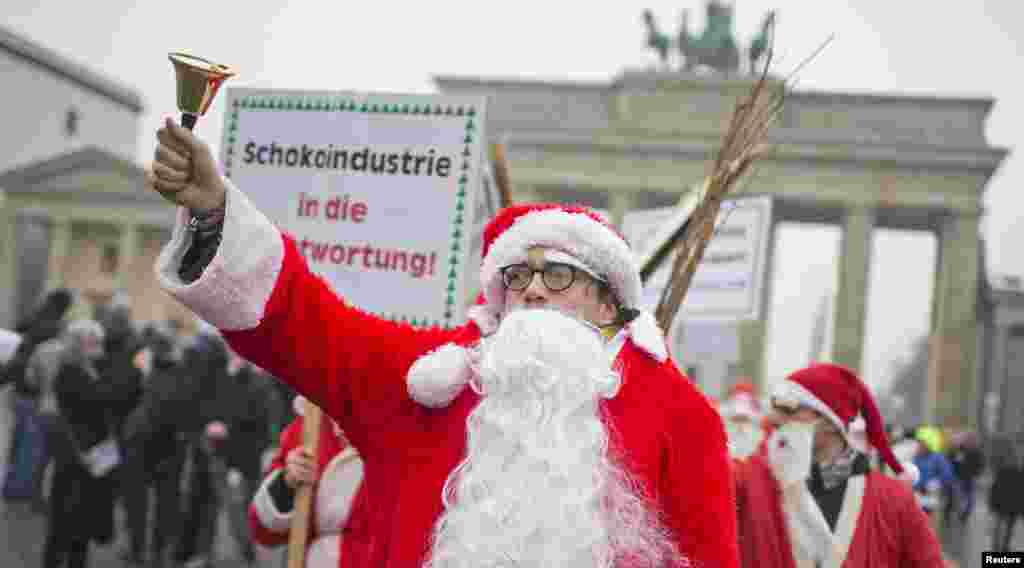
<point x="728" y="283"/>
<point x="378" y="190"/>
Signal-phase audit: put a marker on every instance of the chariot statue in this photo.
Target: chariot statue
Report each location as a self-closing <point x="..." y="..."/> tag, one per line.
<point x="715" y="47"/>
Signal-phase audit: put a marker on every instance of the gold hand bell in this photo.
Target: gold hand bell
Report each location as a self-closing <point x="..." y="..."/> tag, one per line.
<point x="198" y="82"/>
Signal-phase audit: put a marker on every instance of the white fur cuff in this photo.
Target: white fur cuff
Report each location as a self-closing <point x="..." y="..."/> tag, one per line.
<point x="910" y="474"/>
<point x="233" y="291"/>
<point x="272" y="519"/>
<point x="435" y="379"/>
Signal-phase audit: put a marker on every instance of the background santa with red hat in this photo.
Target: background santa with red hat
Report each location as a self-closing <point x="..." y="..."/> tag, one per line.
<point x="551" y="430"/>
<point x="811" y="499"/>
<point x="336" y="473"/>
<point x="741" y="411"/>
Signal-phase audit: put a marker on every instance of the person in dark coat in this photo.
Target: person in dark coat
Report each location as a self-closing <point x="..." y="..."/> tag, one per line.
<point x="82" y="497"/>
<point x="28" y="449"/>
<point x="153" y="448"/>
<point x="121" y="346"/>
<point x="1005" y="498"/>
<point x="968" y="462"/>
<point x="202" y="388"/>
<point x="249" y="422"/>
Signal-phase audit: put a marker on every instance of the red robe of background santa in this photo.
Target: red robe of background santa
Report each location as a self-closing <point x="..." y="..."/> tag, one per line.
<point x="273" y="311"/>
<point x="339" y="477"/>
<point x="880" y="523"/>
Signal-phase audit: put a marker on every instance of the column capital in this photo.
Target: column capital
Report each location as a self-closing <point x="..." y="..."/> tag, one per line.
<point x="60" y="242"/>
<point x="858" y="210"/>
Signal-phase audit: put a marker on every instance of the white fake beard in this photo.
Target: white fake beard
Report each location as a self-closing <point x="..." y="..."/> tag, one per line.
<point x="537" y="487"/>
<point x="743" y="439"/>
<point x="790" y="452"/>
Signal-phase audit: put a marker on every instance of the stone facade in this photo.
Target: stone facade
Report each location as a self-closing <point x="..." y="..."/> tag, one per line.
<point x="71" y="210"/>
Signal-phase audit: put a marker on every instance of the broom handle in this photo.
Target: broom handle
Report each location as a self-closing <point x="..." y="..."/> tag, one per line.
<point x="299" y="530"/>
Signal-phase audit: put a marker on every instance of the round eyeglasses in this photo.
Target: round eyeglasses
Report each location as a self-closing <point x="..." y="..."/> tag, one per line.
<point x="557" y="276"/>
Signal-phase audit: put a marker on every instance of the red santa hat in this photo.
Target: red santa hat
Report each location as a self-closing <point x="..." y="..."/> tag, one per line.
<point x="571" y="234"/>
<point x="742" y="401"/>
<point x="839" y="395"/>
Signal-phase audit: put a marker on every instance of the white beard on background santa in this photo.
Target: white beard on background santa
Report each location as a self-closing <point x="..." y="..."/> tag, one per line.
<point x="741" y="412"/>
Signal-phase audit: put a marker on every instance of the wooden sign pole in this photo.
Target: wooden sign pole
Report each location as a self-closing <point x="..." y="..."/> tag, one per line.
<point x="501" y="176"/>
<point x="299" y="530"/>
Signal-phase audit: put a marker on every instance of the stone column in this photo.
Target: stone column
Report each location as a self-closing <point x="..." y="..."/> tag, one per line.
<point x="60" y="244"/>
<point x="998" y="375"/>
<point x="852" y="294"/>
<point x="753" y="334"/>
<point x="619" y="203"/>
<point x="127" y="253"/>
<point x="8" y="265"/>
<point x="952" y="371"/>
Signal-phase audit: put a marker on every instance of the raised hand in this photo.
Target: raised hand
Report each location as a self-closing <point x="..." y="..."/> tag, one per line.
<point x="299" y="468"/>
<point x="184" y="171"/>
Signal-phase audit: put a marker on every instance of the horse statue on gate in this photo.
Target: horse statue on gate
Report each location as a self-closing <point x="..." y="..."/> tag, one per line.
<point x="759" y="45"/>
<point x="656" y="40"/>
<point x="715" y="47"/>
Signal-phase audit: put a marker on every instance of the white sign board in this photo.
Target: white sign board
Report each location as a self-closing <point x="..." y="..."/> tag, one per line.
<point x="378" y="190"/>
<point x="728" y="282"/>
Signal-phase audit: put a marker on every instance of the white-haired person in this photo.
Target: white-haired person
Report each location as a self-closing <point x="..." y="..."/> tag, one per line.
<point x="81" y="504"/>
<point x="810" y="499"/>
<point x="552" y="429"/>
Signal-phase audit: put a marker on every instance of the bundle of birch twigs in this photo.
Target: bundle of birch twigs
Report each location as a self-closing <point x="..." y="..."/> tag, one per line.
<point x="743" y="143"/>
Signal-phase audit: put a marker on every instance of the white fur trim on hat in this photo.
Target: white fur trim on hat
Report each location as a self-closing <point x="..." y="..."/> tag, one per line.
<point x="435" y="379"/>
<point x="263" y="504"/>
<point x="299" y="405"/>
<point x="795" y="391"/>
<point x="911" y="473"/>
<point x="741" y="406"/>
<point x="592" y="243"/>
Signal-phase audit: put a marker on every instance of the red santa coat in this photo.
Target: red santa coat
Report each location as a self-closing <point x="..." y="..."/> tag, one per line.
<point x="339" y="477"/>
<point x="259" y="291"/>
<point x="880" y="523"/>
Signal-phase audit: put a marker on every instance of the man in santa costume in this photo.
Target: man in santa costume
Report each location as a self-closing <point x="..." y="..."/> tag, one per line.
<point x="810" y="499"/>
<point x="741" y="412"/>
<point x="336" y="473"/>
<point x="551" y="430"/>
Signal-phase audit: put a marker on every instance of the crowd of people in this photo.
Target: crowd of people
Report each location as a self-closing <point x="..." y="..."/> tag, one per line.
<point x="170" y="427"/>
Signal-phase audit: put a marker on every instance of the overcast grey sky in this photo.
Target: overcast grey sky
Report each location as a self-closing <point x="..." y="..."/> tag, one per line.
<point x="971" y="48"/>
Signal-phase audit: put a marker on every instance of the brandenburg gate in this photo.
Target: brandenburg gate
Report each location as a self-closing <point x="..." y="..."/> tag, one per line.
<point x="858" y="161"/>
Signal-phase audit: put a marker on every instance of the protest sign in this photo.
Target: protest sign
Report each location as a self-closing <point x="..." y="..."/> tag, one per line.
<point x="378" y="190"/>
<point x="729" y="279"/>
